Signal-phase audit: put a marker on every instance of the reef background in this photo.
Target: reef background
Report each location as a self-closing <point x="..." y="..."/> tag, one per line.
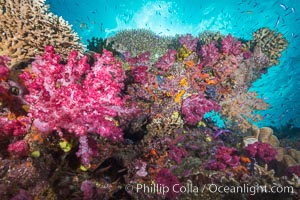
<point x="239" y="17"/>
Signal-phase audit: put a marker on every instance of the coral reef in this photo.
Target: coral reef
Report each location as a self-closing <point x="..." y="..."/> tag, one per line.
<point x="98" y="126"/>
<point x="27" y="26"/>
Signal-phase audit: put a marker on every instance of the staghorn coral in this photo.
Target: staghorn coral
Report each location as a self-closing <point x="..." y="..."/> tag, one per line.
<point x="27" y="26"/>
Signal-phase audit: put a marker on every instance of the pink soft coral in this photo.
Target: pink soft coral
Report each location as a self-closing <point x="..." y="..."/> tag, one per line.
<point x="226" y="157"/>
<point x="167" y="60"/>
<point x="209" y="54"/>
<point x="75" y="96"/>
<point x="194" y="108"/>
<point x="189" y="42"/>
<point x="230" y="46"/>
<point x="262" y="151"/>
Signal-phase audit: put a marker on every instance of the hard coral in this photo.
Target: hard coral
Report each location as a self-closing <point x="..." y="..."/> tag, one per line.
<point x="27" y="26"/>
<point x="271" y="43"/>
<point x="73" y="96"/>
<point x="137" y="41"/>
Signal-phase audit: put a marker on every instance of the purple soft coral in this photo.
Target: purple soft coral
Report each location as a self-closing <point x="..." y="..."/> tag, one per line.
<point x="230" y="46"/>
<point x="225" y="157"/>
<point x="194" y="108"/>
<point x="166" y="60"/>
<point x="209" y="54"/>
<point x="189" y="42"/>
<point x="261" y="151"/>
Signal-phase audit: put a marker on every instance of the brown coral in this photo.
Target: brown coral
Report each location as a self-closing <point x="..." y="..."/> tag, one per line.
<point x="271" y="43"/>
<point x="27" y="26"/>
<point x="239" y="108"/>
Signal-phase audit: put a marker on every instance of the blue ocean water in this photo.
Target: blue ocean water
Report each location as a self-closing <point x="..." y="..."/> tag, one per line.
<point x="279" y="87"/>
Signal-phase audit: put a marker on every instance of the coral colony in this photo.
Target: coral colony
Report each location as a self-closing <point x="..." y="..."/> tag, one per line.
<point x="129" y="119"/>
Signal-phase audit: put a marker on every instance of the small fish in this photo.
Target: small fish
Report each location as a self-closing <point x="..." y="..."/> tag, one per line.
<point x="283" y="6"/>
<point x="76" y="4"/>
<point x="293" y="10"/>
<point x="277" y="22"/>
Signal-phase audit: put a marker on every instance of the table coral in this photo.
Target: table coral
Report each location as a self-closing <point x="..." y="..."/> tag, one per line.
<point x="27" y="26"/>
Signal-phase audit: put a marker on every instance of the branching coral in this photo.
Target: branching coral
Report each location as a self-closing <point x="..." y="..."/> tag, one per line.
<point x="27" y="26"/>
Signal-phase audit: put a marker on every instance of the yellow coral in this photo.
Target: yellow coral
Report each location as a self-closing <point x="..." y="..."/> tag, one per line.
<point x="183" y="82"/>
<point x="183" y="53"/>
<point x="178" y="96"/>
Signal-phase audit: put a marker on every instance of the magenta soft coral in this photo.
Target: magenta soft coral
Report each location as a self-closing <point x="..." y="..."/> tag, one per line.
<point x="4" y="70"/>
<point x="19" y="148"/>
<point x="230" y="46"/>
<point x="226" y="157"/>
<point x="262" y="151"/>
<point x="209" y="54"/>
<point x="189" y="42"/>
<point x="75" y="96"/>
<point x="167" y="180"/>
<point x="167" y="60"/>
<point x="193" y="108"/>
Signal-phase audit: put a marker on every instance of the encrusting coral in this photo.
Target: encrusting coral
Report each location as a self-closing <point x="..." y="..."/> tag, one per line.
<point x="27" y="26"/>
